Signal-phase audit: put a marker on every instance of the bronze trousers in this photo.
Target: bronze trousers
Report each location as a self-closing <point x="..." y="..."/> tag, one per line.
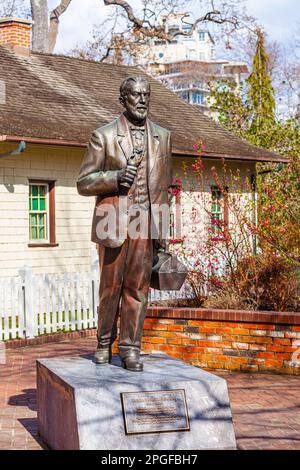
<point x="125" y="274"/>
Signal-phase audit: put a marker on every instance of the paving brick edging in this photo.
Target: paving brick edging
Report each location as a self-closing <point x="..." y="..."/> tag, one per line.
<point x="51" y="338"/>
<point x="226" y="339"/>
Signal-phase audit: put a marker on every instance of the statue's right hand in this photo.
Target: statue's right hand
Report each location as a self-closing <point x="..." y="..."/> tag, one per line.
<point x="127" y="175"/>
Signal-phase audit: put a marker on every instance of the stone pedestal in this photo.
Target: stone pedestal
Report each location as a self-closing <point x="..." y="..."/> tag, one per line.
<point x="171" y="405"/>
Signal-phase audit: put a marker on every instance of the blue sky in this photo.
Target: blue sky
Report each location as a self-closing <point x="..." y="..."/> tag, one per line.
<point x="280" y="19"/>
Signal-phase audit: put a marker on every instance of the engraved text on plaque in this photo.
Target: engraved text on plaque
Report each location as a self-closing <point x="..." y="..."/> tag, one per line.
<point x="157" y="411"/>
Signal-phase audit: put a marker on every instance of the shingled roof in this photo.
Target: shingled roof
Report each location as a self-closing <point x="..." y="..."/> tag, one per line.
<point x="62" y="99"/>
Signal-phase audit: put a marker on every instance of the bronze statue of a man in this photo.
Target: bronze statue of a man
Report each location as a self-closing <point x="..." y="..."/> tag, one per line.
<point x="127" y="165"/>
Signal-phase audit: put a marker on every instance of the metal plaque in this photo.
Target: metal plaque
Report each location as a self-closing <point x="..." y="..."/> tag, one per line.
<point x="157" y="411"/>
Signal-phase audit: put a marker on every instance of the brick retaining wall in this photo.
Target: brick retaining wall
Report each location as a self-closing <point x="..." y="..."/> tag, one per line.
<point x="226" y="339"/>
<point x="213" y="339"/>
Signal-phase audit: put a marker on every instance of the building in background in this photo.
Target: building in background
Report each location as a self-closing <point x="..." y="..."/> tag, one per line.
<point x="53" y="103"/>
<point x="187" y="64"/>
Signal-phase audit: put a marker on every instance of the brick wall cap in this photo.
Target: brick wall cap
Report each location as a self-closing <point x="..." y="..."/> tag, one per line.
<point x="248" y="316"/>
<point x="15" y="20"/>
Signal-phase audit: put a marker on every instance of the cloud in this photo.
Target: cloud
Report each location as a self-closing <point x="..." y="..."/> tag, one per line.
<point x="279" y="18"/>
<point x="77" y="23"/>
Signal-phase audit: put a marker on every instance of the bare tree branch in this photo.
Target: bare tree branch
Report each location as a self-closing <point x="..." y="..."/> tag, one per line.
<point x="138" y="27"/>
<point x="54" y="23"/>
<point x="225" y="15"/>
<point x="131" y="16"/>
<point x="19" y="8"/>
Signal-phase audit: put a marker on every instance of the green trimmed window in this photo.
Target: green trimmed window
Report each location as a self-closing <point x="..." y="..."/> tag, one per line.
<point x="172" y="225"/>
<point x="38" y="212"/>
<point x="219" y="210"/>
<point x="216" y="210"/>
<point x="175" y="227"/>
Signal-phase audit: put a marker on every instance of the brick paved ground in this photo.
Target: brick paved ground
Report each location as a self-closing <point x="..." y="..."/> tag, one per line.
<point x="265" y="407"/>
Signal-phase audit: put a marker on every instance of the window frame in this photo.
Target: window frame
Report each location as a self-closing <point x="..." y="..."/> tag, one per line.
<point x="224" y="211"/>
<point x="200" y="95"/>
<point x="51" y="221"/>
<point x="201" y="36"/>
<point x="39" y="212"/>
<point x="187" y="29"/>
<point x="175" y="226"/>
<point x="184" y="95"/>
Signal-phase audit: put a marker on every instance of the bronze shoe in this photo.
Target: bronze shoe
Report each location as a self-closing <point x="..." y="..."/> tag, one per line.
<point x="102" y="356"/>
<point x="132" y="363"/>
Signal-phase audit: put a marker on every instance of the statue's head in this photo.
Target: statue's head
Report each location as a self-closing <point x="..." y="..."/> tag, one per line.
<point x="135" y="97"/>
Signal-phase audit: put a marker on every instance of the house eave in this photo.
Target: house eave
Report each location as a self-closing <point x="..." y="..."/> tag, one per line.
<point x="42" y="140"/>
<point x="218" y="156"/>
<point x="175" y="152"/>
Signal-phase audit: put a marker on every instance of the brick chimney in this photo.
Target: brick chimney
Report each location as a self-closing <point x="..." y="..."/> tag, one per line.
<point x="16" y="32"/>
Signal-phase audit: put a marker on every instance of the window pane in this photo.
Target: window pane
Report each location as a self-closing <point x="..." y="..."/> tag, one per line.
<point x="42" y="234"/>
<point x="41" y="219"/>
<point x="42" y="191"/>
<point x="37" y="212"/>
<point x="198" y="98"/>
<point x="33" y="233"/>
<point x="216" y="211"/>
<point x="42" y="204"/>
<point x="34" y="204"/>
<point x="33" y="219"/>
<point x="34" y="190"/>
<point x="184" y="95"/>
<point x="171" y="227"/>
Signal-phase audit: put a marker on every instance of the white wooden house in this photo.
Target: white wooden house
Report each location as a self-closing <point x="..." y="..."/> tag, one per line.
<point x="53" y="103"/>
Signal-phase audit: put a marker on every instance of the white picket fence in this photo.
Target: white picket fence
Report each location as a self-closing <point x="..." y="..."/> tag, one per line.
<point x="35" y="304"/>
<point x="12" y="318"/>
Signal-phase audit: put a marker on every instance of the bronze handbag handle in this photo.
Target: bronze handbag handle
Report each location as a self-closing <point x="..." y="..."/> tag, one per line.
<point x="173" y="262"/>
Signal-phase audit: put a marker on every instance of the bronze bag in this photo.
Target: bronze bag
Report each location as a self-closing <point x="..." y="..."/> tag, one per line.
<point x="168" y="273"/>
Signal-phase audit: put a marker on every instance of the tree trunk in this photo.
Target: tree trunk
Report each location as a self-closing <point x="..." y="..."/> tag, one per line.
<point x="40" y="28"/>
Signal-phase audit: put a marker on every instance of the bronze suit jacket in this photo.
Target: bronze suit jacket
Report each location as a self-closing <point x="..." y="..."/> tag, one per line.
<point x="107" y="152"/>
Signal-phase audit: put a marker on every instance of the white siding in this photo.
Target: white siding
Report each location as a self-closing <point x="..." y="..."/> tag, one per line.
<point x="73" y="212"/>
<point x="191" y="199"/>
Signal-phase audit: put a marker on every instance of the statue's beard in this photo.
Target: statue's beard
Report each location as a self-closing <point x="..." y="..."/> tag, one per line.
<point x="138" y="115"/>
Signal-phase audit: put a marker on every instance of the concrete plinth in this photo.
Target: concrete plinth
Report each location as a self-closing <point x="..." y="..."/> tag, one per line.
<point x="82" y="405"/>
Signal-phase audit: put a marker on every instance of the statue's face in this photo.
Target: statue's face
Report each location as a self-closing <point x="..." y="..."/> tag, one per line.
<point x="137" y="99"/>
